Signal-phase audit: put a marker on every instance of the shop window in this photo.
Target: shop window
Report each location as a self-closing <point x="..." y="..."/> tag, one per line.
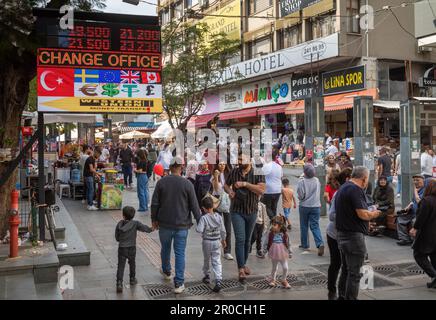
<point x="259" y="47"/>
<point x="352" y="11"/>
<point x="178" y="10"/>
<point x="165" y="17"/>
<point x="290" y="37"/>
<point x="323" y="26"/>
<point x="255" y="6"/>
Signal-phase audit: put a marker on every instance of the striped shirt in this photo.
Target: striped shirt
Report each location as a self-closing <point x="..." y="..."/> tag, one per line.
<point x="245" y="201"/>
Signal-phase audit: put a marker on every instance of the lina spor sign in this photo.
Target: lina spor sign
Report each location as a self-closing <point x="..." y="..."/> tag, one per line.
<point x="344" y="80"/>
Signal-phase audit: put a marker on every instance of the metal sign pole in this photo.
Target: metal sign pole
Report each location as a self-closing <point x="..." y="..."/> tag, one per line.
<point x="364" y="149"/>
<point x="315" y="128"/>
<point x="410" y="147"/>
<point x="41" y="175"/>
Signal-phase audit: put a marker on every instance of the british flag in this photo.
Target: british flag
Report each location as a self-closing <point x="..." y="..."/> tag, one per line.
<point x="130" y="77"/>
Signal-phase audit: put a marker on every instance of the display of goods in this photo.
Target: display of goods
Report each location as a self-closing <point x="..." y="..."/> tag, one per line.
<point x="112" y="196"/>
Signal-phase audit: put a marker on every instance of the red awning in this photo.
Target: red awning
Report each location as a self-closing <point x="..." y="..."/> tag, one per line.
<point x="280" y="108"/>
<point x="332" y="103"/>
<point x="201" y="121"/>
<point x="244" y="113"/>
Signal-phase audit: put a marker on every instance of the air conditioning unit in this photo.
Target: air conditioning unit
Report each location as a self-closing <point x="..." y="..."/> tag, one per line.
<point x="422" y="49"/>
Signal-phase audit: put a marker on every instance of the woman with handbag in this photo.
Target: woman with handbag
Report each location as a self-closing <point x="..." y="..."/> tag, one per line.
<point x="220" y="173"/>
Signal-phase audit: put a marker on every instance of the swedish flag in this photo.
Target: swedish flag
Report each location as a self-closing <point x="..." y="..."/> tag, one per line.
<point x="86" y="75"/>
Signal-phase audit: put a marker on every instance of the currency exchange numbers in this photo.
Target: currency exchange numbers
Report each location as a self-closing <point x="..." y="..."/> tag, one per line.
<point x="89" y="37"/>
<point x="139" y="40"/>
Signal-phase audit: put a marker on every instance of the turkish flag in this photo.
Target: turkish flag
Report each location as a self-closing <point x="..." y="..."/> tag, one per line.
<point x="150" y="77"/>
<point x="55" y="82"/>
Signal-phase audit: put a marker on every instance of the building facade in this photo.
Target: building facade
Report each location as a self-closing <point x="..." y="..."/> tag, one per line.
<point x="290" y="50"/>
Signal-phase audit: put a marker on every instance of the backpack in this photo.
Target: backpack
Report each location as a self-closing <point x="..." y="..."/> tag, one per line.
<point x="202" y="186"/>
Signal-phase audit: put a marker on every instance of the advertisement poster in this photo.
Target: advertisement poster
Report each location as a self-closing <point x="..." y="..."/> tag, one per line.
<point x="111" y="196"/>
<point x="266" y="93"/>
<point x="319" y="153"/>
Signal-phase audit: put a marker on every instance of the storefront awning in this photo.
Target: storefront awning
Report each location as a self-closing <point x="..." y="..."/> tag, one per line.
<point x="425" y="99"/>
<point x="201" y="121"/>
<point x="385" y="104"/>
<point x="244" y="113"/>
<point x="272" y="110"/>
<point x="332" y="103"/>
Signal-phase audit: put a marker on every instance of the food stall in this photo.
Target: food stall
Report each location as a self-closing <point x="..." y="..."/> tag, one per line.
<point x="110" y="189"/>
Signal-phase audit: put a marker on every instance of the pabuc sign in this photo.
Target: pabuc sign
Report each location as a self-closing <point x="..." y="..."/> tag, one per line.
<point x="268" y="92"/>
<point x="344" y="80"/>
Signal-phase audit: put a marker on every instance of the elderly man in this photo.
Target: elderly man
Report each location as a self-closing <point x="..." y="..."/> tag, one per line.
<point x="352" y="222"/>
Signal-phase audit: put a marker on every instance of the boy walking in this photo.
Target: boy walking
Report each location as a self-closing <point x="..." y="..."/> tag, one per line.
<point x="258" y="229"/>
<point x="288" y="200"/>
<point x="211" y="226"/>
<point x="125" y="234"/>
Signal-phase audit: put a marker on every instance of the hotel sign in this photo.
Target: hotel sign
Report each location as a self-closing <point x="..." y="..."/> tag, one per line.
<point x="344" y="80"/>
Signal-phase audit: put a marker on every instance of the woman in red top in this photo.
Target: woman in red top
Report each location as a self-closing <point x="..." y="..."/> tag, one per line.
<point x="331" y="186"/>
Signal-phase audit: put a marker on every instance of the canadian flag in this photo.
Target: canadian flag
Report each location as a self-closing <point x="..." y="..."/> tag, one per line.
<point x="150" y="77"/>
<point x="55" y="82"/>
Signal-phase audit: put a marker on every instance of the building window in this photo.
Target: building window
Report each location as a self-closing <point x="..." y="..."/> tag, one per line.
<point x="165" y="17"/>
<point x="351" y="13"/>
<point x="323" y="26"/>
<point x="178" y="10"/>
<point x="188" y="4"/>
<point x="290" y="37"/>
<point x="255" y="6"/>
<point x="259" y="47"/>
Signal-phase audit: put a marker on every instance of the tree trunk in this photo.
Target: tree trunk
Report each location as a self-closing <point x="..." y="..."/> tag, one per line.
<point x="15" y="75"/>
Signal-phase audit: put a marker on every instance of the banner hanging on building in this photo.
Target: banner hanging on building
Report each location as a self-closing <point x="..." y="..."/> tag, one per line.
<point x="344" y="80"/>
<point x="290" y="6"/>
<point x="267" y="93"/>
<point x="99" y="66"/>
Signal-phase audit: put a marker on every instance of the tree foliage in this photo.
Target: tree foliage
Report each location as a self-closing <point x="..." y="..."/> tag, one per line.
<point x="193" y="59"/>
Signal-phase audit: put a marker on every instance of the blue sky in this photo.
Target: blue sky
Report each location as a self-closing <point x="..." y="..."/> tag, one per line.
<point x="118" y="6"/>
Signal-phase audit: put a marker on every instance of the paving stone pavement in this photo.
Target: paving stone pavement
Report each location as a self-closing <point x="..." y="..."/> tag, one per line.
<point x="396" y="274"/>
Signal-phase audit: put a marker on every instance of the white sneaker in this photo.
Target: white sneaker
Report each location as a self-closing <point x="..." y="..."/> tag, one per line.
<point x="167" y="277"/>
<point x="398" y="195"/>
<point x="179" y="289"/>
<point x="92" y="208"/>
<point x="228" y="256"/>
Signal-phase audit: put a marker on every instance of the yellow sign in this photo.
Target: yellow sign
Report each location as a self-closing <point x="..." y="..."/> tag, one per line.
<point x="97" y="105"/>
<point x="231" y="25"/>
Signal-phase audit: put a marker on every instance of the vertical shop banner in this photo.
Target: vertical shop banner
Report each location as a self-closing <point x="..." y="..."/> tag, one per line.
<point x="230" y="25"/>
<point x="303" y="86"/>
<point x="267" y="93"/>
<point x="99" y="67"/>
<point x="344" y="80"/>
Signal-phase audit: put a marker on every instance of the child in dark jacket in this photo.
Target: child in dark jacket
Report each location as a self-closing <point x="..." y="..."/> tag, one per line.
<point x="125" y="234"/>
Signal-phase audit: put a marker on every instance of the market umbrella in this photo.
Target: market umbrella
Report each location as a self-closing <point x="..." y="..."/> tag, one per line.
<point x="134" y="135"/>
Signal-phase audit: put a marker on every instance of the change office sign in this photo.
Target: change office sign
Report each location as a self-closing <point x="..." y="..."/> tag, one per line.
<point x="290" y="6"/>
<point x="344" y="80"/>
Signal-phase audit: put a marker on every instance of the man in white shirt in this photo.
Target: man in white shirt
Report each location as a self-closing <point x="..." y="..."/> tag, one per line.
<point x="331" y="149"/>
<point x="105" y="154"/>
<point x="328" y="139"/>
<point x="427" y="163"/>
<point x="273" y="178"/>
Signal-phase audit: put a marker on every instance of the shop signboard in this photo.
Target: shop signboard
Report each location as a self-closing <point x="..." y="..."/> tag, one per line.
<point x="429" y="79"/>
<point x="290" y="6"/>
<point x="266" y="93"/>
<point x="99" y="66"/>
<point x="230" y="99"/>
<point x="311" y="51"/>
<point x="225" y="20"/>
<point x="302" y="86"/>
<point x="344" y="80"/>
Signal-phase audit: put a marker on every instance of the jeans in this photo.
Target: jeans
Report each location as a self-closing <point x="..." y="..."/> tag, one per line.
<point x="422" y="259"/>
<point x="271" y="201"/>
<point x="243" y="225"/>
<point x="287" y="212"/>
<point x="309" y="217"/>
<point x="228" y="225"/>
<point x="257" y="236"/>
<point x="178" y="237"/>
<point x="390" y="179"/>
<point x="124" y="254"/>
<point x="142" y="189"/>
<point x="399" y="184"/>
<point x="127" y="172"/>
<point x="89" y="190"/>
<point x="335" y="264"/>
<point x="353" y="251"/>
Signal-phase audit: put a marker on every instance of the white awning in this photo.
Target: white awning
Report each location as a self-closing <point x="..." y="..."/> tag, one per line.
<point x="425" y="99"/>
<point x="387" y="104"/>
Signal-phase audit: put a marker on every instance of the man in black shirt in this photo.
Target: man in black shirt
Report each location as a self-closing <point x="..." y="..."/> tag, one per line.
<point x="352" y="217"/>
<point x="244" y="189"/>
<point x="385" y="165"/>
<point x="126" y="158"/>
<point x="89" y="171"/>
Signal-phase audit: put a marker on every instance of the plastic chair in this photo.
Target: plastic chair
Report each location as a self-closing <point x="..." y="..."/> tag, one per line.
<point x="61" y="188"/>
